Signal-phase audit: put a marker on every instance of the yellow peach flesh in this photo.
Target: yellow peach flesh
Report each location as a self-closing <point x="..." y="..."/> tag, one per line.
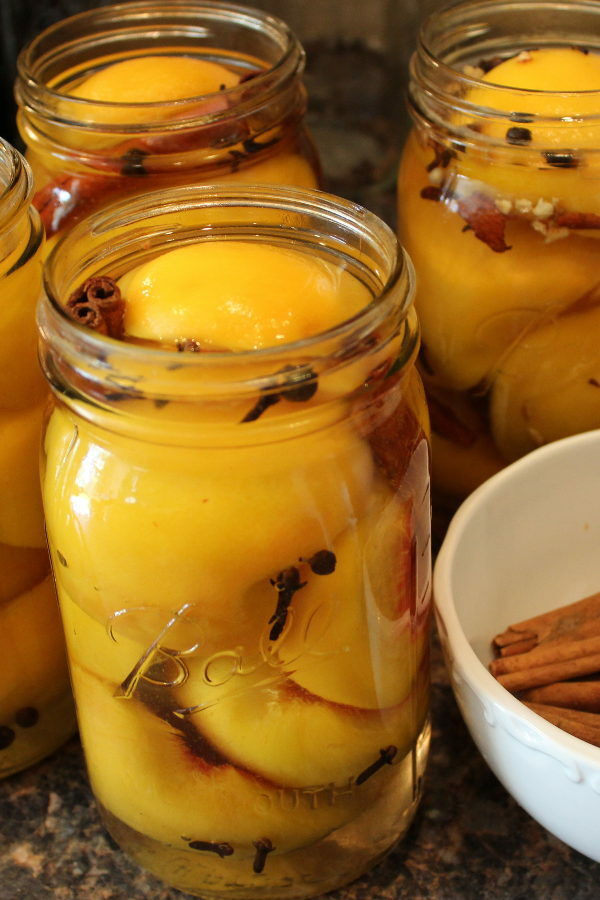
<point x="264" y="723"/>
<point x="561" y="87"/>
<point x="34" y="665"/>
<point x="133" y="98"/>
<point x="143" y="507"/>
<point x="21" y="381"/>
<point x="353" y="639"/>
<point x="162" y="788"/>
<point x="553" y="73"/>
<point x="238" y="295"/>
<point x="21" y="518"/>
<point x="474" y="303"/>
<point x="549" y="386"/>
<point x="154" y="79"/>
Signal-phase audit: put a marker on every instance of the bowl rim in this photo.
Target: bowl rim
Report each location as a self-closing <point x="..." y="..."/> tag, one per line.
<point x="472" y="668"/>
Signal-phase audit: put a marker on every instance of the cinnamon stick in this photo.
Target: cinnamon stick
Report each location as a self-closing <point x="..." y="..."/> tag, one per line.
<point x="556" y="671"/>
<point x="446" y="423"/>
<point x="481" y="214"/>
<point x="581" y="695"/>
<point x="98" y="304"/>
<point x="519" y="646"/>
<point x="540" y="658"/>
<point x="577" y="621"/>
<point x="68" y="198"/>
<point x="513" y="636"/>
<point x="585" y="726"/>
<point x="577" y="220"/>
<point x="553" y="652"/>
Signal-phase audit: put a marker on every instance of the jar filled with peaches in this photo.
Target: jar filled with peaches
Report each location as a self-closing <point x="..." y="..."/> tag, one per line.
<point x="36" y="713"/>
<point x="499" y="206"/>
<point x="236" y="488"/>
<point x="139" y="96"/>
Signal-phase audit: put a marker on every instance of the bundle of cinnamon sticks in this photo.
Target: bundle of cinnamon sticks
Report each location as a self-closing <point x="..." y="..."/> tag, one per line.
<point x="551" y="663"/>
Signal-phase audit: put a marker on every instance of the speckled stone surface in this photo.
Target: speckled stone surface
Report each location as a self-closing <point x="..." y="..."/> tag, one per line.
<point x="469" y="840"/>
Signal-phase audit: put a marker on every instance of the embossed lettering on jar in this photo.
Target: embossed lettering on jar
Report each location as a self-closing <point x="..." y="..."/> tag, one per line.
<point x="139" y="96"/>
<point x="499" y="206"/>
<point x="238" y="510"/>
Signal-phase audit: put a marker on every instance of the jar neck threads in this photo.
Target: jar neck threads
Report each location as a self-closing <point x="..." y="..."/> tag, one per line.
<point x="259" y="47"/>
<point x="457" y="46"/>
<point x="127" y="234"/>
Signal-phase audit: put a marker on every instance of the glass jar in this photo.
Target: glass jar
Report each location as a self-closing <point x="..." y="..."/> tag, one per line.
<point x="499" y="207"/>
<point x="241" y="546"/>
<point x="86" y="152"/>
<point x="36" y="713"/>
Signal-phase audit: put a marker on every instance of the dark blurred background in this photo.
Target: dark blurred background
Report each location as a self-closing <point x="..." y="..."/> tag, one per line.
<point x="21" y="20"/>
<point x="357" y="55"/>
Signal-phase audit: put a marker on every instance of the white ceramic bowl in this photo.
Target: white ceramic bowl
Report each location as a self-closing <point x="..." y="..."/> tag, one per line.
<point x="526" y="541"/>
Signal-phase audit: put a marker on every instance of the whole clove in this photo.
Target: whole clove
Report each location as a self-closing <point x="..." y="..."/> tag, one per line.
<point x="286" y="584"/>
<point x="561" y="160"/>
<point x="221" y="848"/>
<point x="7" y="736"/>
<point x="299" y="386"/>
<point x="133" y="162"/>
<point x="27" y="717"/>
<point x="322" y="562"/>
<point x="263" y="847"/>
<point x="386" y="757"/>
<point x="518" y="136"/>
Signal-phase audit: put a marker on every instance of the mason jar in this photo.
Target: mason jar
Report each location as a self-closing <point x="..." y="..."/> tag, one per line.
<point x="140" y="96"/>
<point x="36" y="713"/>
<point x="499" y="206"/>
<point x="240" y="537"/>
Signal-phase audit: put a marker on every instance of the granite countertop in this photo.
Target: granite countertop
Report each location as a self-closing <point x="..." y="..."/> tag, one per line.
<point x="469" y="839"/>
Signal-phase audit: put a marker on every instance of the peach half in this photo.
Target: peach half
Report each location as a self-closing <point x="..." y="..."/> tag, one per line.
<point x="176" y="790"/>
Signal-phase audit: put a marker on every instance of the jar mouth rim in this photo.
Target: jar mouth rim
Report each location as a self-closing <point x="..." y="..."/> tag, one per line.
<point x="34" y="92"/>
<point x="436" y="26"/>
<point x="463" y="79"/>
<point x="16" y="185"/>
<point x="359" y="325"/>
<point x="430" y="95"/>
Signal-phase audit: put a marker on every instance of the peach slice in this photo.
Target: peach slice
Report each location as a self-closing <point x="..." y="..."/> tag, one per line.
<point x="21" y="518"/>
<point x="563" y="83"/>
<point x="122" y="96"/>
<point x="177" y="790"/>
<point x="474" y="303"/>
<point x="34" y="665"/>
<point x="268" y="725"/>
<point x="271" y="295"/>
<point x="130" y="91"/>
<point x="93" y="644"/>
<point x="155" y="525"/>
<point x="21" y="381"/>
<point x="354" y="636"/>
<point x="549" y="386"/>
<point x="563" y="80"/>
<point x="154" y="79"/>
